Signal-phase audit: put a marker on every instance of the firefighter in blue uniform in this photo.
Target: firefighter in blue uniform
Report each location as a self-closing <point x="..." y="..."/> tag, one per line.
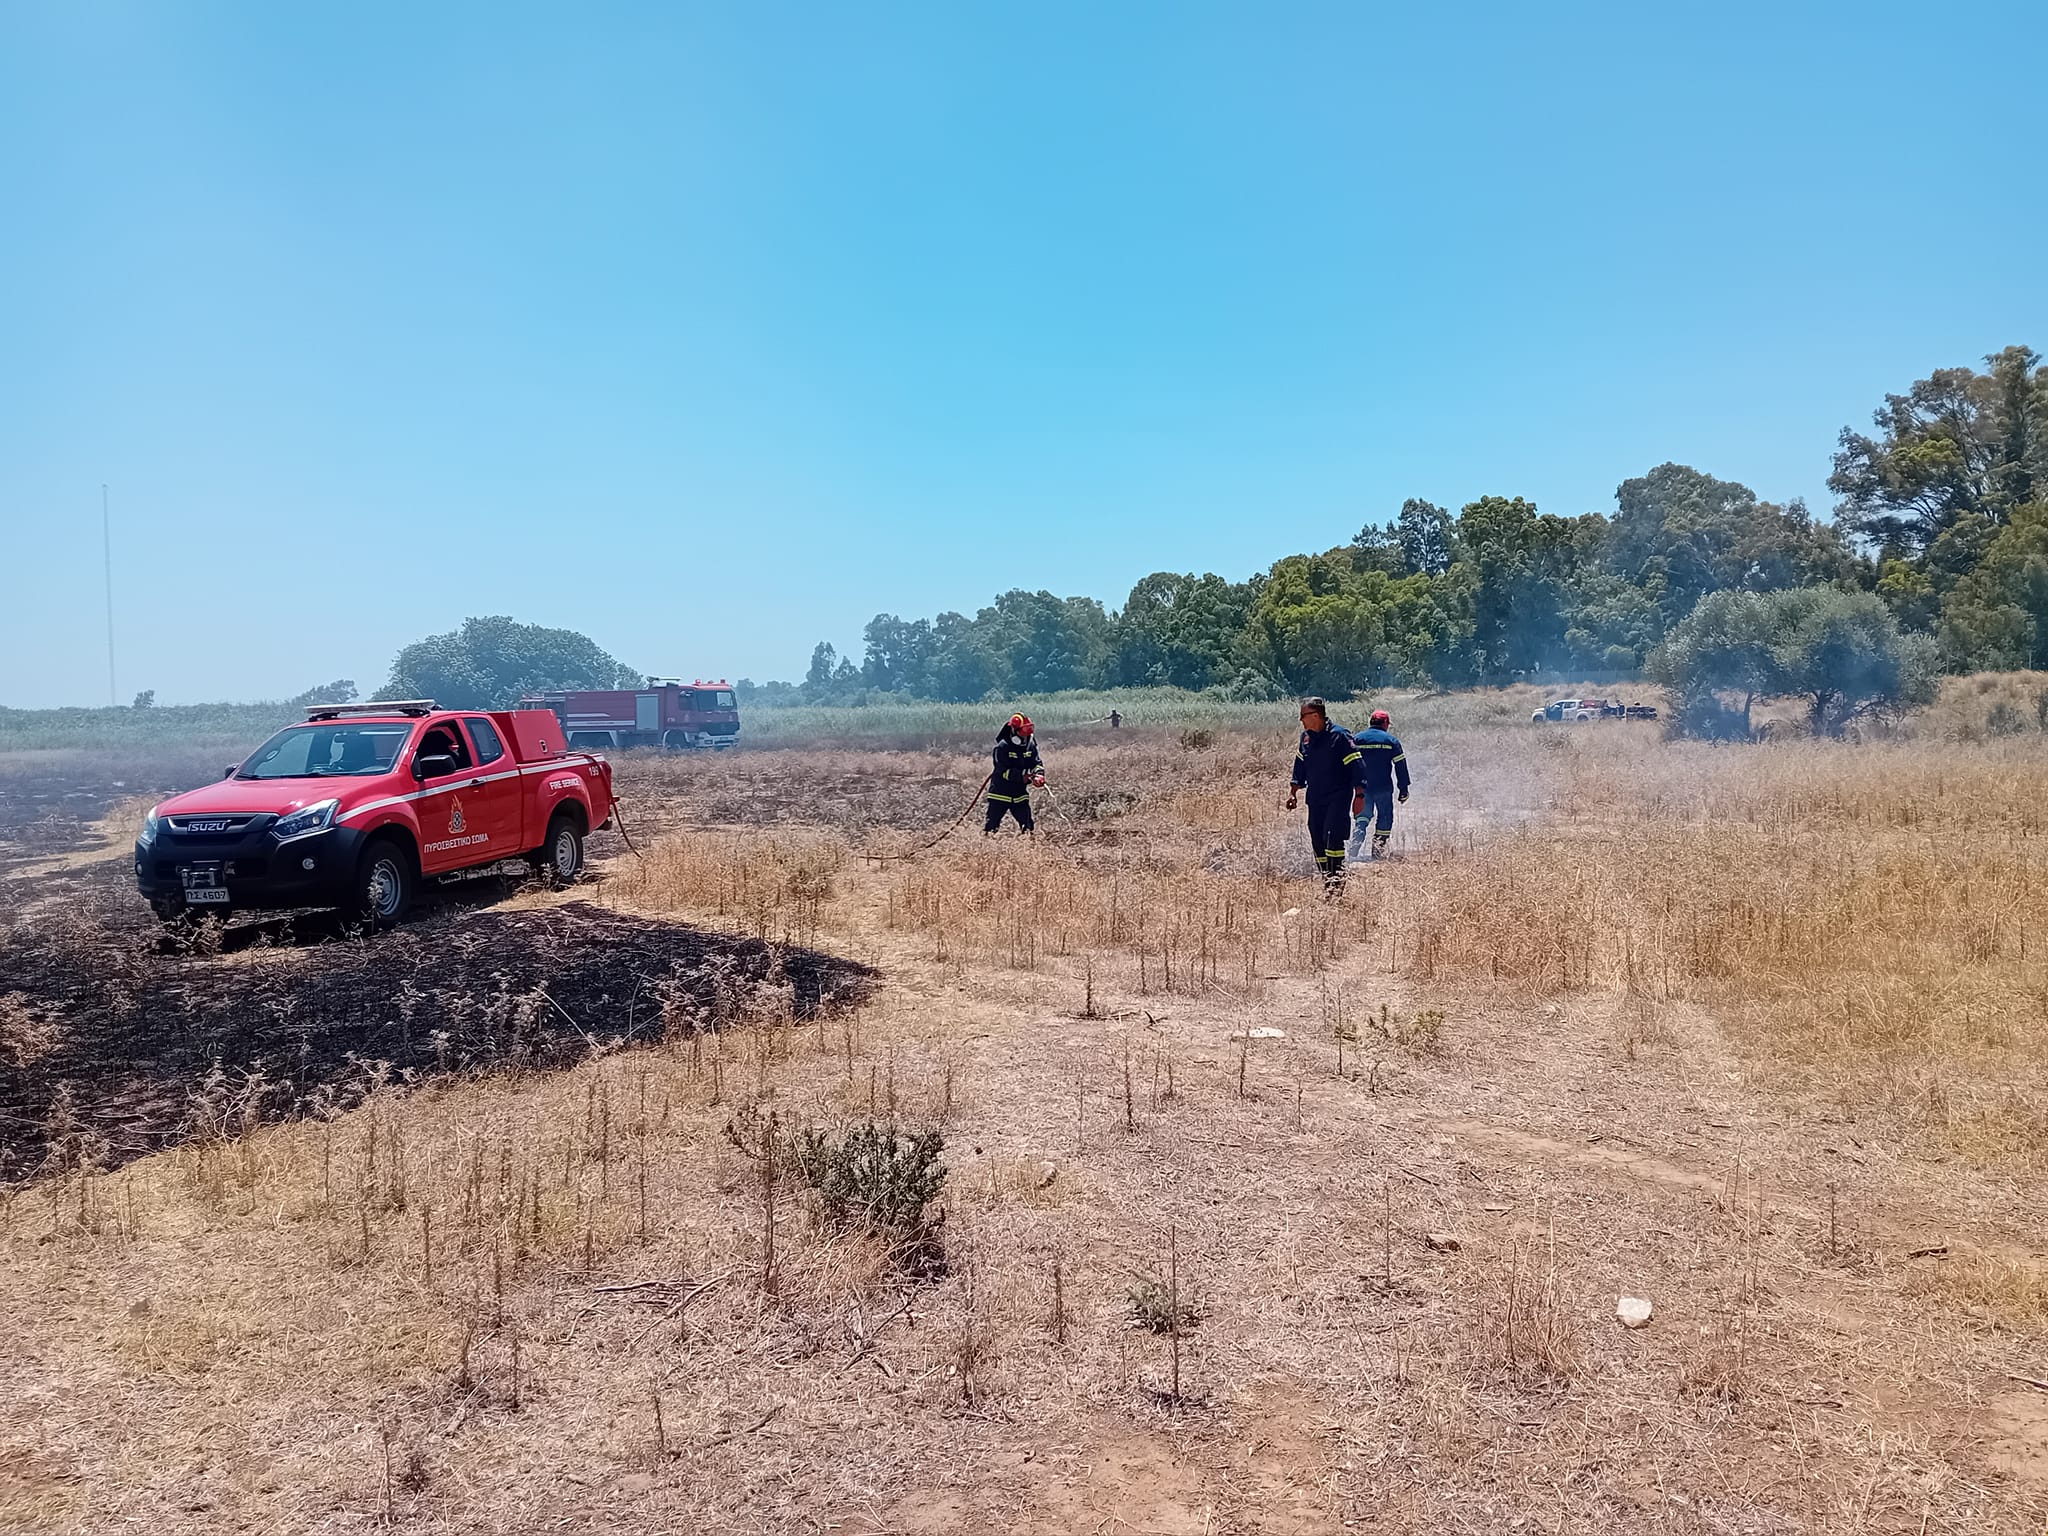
<point x="1017" y="768"/>
<point x="1386" y="766"/>
<point x="1330" y="767"/>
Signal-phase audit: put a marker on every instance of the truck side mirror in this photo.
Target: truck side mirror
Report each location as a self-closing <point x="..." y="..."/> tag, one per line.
<point x="229" y="771"/>
<point x="427" y="767"/>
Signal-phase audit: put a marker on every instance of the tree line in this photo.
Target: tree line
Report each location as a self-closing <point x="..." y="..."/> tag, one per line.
<point x="1936" y="559"/>
<point x="1937" y="552"/>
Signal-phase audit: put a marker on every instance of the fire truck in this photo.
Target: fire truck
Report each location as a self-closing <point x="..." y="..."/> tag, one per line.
<point x="668" y="712"/>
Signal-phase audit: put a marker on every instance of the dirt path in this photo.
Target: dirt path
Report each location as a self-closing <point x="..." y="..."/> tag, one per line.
<point x="1626" y="1142"/>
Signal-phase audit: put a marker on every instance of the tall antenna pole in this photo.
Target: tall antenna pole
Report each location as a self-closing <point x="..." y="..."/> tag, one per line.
<point x="107" y="540"/>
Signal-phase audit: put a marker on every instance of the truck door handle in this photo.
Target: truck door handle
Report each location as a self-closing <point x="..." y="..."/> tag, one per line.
<point x="476" y="783"/>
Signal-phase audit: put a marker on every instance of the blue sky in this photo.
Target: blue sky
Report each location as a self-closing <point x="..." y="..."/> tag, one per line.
<point x="712" y="331"/>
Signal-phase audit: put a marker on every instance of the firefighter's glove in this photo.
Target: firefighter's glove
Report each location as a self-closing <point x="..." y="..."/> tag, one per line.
<point x="1403" y="797"/>
<point x="1358" y="802"/>
<point x="1038" y="779"/>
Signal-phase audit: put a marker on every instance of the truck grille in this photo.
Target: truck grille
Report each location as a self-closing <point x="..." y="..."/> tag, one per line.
<point x="209" y="826"/>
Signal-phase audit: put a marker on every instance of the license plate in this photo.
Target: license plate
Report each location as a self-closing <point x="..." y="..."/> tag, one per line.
<point x="207" y="893"/>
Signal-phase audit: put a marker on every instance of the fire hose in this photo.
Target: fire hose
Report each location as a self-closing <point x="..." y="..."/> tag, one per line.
<point x="951" y="826"/>
<point x="619" y="821"/>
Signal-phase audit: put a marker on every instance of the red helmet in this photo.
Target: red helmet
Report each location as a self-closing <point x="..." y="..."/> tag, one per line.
<point x="1021" y="724"/>
<point x="1381" y="719"/>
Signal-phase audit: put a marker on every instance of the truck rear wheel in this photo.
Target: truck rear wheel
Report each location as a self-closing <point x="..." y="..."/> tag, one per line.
<point x="384" y="883"/>
<point x="561" y="856"/>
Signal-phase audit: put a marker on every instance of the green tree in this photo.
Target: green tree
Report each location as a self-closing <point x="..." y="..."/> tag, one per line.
<point x="1421" y="541"/>
<point x="1996" y="616"/>
<point x="961" y="669"/>
<point x="1316" y="630"/>
<point x="1842" y="652"/>
<point x="1181" y="631"/>
<point x="1428" y="538"/>
<point x="1319" y="624"/>
<point x="1040" y="643"/>
<point x="341" y="691"/>
<point x="1613" y="623"/>
<point x="490" y="662"/>
<point x="818" y="681"/>
<point x="1523" y="564"/>
<point x="1957" y="442"/>
<point x="1444" y="642"/>
<point x="1679" y="534"/>
<point x="1845" y="654"/>
<point x="1723" y="645"/>
<point x="1378" y="548"/>
<point x="1909" y="592"/>
<point x="897" y="654"/>
<point x="774" y="691"/>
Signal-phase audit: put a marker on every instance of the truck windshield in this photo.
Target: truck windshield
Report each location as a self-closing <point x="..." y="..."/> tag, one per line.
<point x="706" y="698"/>
<point x="353" y="750"/>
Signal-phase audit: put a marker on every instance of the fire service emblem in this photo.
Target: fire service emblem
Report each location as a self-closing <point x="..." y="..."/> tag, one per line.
<point x="455" y="820"/>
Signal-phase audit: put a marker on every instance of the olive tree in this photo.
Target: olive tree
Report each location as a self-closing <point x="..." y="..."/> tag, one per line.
<point x="1843" y="653"/>
<point x="1722" y="646"/>
<point x="489" y="662"/>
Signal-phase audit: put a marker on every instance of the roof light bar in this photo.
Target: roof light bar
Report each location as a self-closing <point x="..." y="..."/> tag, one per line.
<point x="374" y="707"/>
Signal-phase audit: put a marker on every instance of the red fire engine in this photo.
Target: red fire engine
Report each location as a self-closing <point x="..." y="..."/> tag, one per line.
<point x="668" y="712"/>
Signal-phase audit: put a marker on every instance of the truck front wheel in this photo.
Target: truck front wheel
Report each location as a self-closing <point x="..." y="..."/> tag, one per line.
<point x="561" y="856"/>
<point x="384" y="882"/>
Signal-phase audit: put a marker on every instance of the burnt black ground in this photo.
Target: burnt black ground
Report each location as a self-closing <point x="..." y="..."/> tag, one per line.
<point x="43" y="814"/>
<point x="117" y="1041"/>
<point x="113" y="1043"/>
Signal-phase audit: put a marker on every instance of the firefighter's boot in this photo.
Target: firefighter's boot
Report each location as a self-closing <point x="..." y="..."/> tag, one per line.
<point x="1379" y="844"/>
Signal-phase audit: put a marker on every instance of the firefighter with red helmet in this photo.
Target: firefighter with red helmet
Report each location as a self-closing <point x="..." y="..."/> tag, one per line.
<point x="1384" y="764"/>
<point x="1017" y="768"/>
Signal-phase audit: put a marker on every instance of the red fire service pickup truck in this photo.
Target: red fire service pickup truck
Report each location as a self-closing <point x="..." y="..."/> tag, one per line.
<point x="354" y="807"/>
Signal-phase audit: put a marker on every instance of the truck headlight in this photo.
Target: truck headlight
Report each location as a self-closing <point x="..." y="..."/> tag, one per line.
<point x="149" y="825"/>
<point x="305" y="821"/>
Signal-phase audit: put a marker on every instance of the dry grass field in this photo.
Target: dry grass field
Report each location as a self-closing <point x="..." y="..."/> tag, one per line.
<point x="1259" y="1213"/>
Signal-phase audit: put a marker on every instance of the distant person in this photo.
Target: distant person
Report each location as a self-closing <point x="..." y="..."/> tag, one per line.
<point x="1327" y="765"/>
<point x="1385" y="765"/>
<point x="1017" y="768"/>
<point x="1116" y="720"/>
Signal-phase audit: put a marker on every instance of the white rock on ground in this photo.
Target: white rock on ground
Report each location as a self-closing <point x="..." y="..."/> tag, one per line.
<point x="1634" y="1312"/>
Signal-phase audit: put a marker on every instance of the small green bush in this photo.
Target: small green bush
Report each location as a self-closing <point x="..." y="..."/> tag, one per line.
<point x="1423" y="1034"/>
<point x="1150" y="1301"/>
<point x="874" y="1180"/>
